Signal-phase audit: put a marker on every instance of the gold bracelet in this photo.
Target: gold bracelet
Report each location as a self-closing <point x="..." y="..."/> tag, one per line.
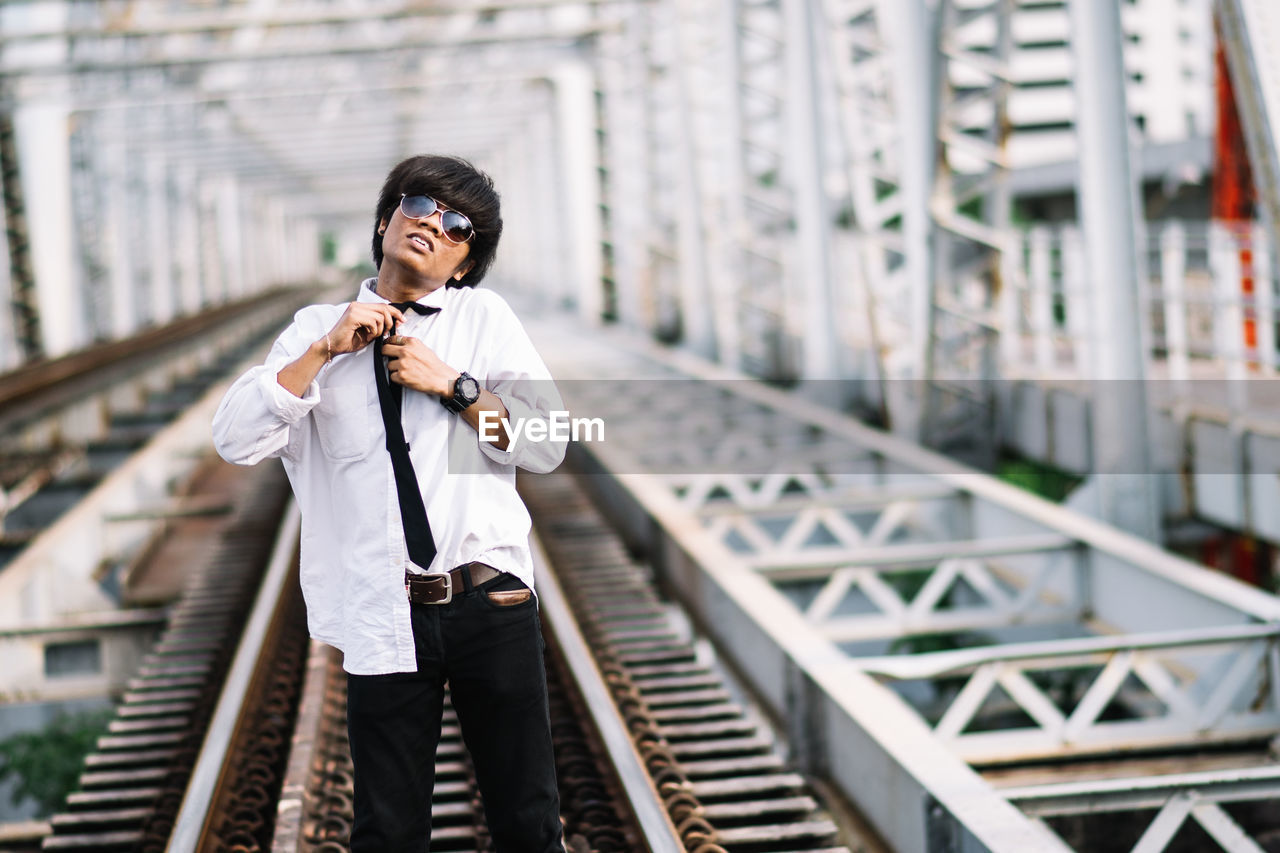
<point x="328" y="349"/>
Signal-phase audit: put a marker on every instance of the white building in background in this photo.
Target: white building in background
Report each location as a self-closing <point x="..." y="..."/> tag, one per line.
<point x="1169" y="55"/>
<point x="1170" y="91"/>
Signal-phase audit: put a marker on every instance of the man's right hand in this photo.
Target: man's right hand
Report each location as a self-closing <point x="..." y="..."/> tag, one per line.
<point x="362" y="324"/>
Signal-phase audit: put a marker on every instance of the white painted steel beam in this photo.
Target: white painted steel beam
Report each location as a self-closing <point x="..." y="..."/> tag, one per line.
<point x="1109" y="213"/>
<point x="279" y="54"/>
<point x="808" y="317"/>
<point x="1145" y="792"/>
<point x="162" y="20"/>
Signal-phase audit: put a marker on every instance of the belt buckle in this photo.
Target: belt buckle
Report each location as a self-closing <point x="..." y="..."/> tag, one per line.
<point x="423" y="576"/>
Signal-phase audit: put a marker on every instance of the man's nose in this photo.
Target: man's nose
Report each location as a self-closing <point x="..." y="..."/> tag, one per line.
<point x="433" y="220"/>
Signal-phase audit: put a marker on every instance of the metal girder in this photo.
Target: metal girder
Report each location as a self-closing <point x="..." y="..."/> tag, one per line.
<point x="624" y="124"/>
<point x="277" y="54"/>
<point x="1145" y="792"/>
<point x="768" y="273"/>
<point x="1190" y="797"/>
<point x="305" y="93"/>
<point x="871" y="244"/>
<point x="245" y="132"/>
<point x="1110" y="217"/>
<point x="778" y="557"/>
<point x="1250" y="40"/>
<point x="165" y="22"/>
<point x="840" y="720"/>
<point x="1174" y="689"/>
<point x="671" y="242"/>
<point x="971" y="239"/>
<point x="1052" y="658"/>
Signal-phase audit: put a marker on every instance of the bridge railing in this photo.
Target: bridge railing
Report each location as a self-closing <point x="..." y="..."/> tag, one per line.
<point x="1211" y="303"/>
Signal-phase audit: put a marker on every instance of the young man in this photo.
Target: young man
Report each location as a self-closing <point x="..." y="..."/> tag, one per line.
<point x="415" y="555"/>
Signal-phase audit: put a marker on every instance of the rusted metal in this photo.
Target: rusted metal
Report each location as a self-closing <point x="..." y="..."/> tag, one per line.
<point x="44" y="383"/>
<point x="133" y="784"/>
<point x="26" y="315"/>
<point x="41" y="479"/>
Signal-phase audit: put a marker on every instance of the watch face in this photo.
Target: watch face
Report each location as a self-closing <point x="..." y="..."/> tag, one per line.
<point x="469" y="388"/>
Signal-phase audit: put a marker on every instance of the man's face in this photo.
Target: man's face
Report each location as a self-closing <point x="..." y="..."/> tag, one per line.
<point x="419" y="245"/>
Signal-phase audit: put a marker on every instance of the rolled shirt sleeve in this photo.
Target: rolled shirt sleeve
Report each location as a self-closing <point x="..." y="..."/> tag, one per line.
<point x="520" y="379"/>
<point x="256" y="414"/>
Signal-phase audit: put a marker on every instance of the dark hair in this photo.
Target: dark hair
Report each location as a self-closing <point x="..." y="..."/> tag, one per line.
<point x="456" y="184"/>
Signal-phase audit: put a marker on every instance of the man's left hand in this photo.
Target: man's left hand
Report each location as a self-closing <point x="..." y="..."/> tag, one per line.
<point x="415" y="365"/>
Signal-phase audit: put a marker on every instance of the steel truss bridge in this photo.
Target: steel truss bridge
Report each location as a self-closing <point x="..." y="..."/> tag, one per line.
<point x="816" y="193"/>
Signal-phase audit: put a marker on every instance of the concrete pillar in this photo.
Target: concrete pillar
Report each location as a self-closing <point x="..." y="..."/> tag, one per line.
<point x="212" y="274"/>
<point x="159" y="239"/>
<point x="255" y="235"/>
<point x="117" y="219"/>
<point x="574" y="88"/>
<point x="550" y="205"/>
<point x="531" y="176"/>
<point x="43" y="137"/>
<point x="185" y="216"/>
<point x="307" y="242"/>
<point x="230" y="239"/>
<point x="42" y="151"/>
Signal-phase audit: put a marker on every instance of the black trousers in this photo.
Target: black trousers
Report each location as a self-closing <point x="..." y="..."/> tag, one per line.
<point x="491" y="657"/>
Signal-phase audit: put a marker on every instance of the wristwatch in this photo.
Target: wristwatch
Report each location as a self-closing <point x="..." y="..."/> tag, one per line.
<point x="466" y="390"/>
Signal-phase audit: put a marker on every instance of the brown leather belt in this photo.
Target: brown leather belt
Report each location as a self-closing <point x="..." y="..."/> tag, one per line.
<point x="439" y="587"/>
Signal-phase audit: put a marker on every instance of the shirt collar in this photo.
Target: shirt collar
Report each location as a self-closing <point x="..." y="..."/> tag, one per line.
<point x="434" y="299"/>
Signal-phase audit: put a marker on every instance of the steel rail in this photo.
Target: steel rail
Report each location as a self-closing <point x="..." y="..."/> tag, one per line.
<point x="658" y="831"/>
<point x="193" y="816"/>
<point x="36" y="387"/>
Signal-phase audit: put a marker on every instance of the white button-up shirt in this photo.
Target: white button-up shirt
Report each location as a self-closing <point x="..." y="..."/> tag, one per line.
<point x="333" y="445"/>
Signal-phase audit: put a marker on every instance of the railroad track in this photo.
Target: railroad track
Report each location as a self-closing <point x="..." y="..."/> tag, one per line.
<point x="664" y="750"/>
<point x="232" y="735"/>
<point x="67" y="423"/>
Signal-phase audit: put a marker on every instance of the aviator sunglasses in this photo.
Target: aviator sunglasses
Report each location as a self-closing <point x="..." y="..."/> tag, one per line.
<point x="456" y="227"/>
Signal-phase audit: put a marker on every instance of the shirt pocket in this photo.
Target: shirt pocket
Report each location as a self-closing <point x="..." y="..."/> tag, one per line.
<point x="342" y="420"/>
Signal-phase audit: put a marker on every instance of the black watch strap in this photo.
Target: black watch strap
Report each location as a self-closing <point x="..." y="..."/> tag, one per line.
<point x="466" y="390"/>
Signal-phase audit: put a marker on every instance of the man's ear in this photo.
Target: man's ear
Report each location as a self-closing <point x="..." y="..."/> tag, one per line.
<point x="462" y="270"/>
<point x="382" y="226"/>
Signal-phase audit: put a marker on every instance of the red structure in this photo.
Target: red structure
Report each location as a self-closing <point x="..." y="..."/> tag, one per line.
<point x="1234" y="196"/>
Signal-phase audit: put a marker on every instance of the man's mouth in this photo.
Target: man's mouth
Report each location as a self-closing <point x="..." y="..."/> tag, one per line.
<point x="421" y="241"/>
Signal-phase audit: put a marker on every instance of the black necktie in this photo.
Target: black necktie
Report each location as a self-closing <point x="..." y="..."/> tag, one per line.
<point x="413" y="514"/>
